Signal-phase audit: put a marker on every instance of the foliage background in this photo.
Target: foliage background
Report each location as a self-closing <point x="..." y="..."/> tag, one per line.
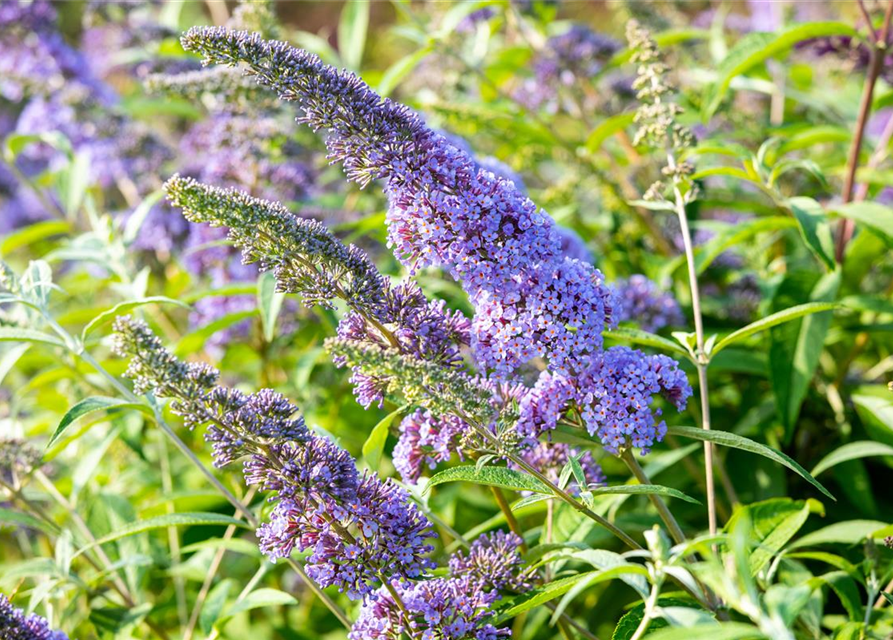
<point x="774" y="123"/>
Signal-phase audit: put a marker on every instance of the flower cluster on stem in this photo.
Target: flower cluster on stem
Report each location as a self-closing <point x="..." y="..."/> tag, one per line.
<point x="361" y="531"/>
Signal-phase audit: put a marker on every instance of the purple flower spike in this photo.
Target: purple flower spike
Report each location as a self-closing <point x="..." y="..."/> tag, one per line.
<point x="530" y="301"/>
<point x="15" y="625"/>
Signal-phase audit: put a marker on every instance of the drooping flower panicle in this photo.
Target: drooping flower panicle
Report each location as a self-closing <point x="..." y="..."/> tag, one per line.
<point x="438" y="609"/>
<point x="305" y="257"/>
<point x="361" y="531"/>
<point x="529" y="299"/>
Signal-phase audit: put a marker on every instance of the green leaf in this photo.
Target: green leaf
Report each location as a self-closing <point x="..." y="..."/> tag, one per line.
<point x="14" y="144"/>
<point x="875" y="216"/>
<point x="33" y="233"/>
<point x="795" y="349"/>
<point x="10" y="357"/>
<point x="731" y="236"/>
<point x="491" y="476"/>
<point x="261" y="598"/>
<point x="124" y="307"/>
<point x="85" y="407"/>
<point x="756" y="48"/>
<point x="162" y="522"/>
<point x="352" y="28"/>
<point x="723" y="631"/>
<point x="236" y="545"/>
<point x="269" y="303"/>
<point x="774" y="320"/>
<point x="814" y="229"/>
<point x="214" y="604"/>
<point x="73" y="182"/>
<point x="394" y="74"/>
<point x="138" y="217"/>
<point x="828" y="558"/>
<point x="849" y="532"/>
<point x="726" y="439"/>
<point x="541" y="595"/>
<point x="374" y="445"/>
<point x="887" y="597"/>
<point x="876" y="413"/>
<point x="628" y="624"/>
<point x="621" y="571"/>
<point x="852" y="451"/>
<point x="19" y="518"/>
<point x="845" y="588"/>
<point x="608" y="128"/>
<point x="118" y="621"/>
<point x="774" y="522"/>
<point x="636" y="336"/>
<point x="14" y="334"/>
<point x="643" y="489"/>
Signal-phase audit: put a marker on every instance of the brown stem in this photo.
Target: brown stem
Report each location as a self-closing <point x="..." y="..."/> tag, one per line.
<point x="509" y="516"/>
<point x="876" y="61"/>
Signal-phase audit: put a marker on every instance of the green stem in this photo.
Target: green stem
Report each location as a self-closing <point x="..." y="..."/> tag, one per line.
<point x="579" y="506"/>
<point x="212" y="572"/>
<point x="702" y="358"/>
<point x="182" y="446"/>
<point x="665" y="514"/>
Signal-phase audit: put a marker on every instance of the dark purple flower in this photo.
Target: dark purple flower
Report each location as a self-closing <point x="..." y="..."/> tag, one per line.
<point x="573" y="246"/>
<point x="568" y="61"/>
<point x="616" y="396"/>
<point x="361" y="531"/>
<point x="15" y="625"/>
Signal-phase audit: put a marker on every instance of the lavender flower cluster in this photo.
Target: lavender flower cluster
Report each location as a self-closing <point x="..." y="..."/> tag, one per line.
<point x="443" y="211"/>
<point x="614" y="397"/>
<point x="364" y="535"/>
<point x="567" y="65"/>
<point x="454" y="607"/>
<point x="307" y="259"/>
<point x="361" y="531"/>
<point x="52" y="88"/>
<point x="15" y="625"/>
<point x="644" y="303"/>
<point x="530" y="300"/>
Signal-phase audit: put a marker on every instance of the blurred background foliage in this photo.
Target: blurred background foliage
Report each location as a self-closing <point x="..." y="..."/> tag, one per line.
<point x="542" y="90"/>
